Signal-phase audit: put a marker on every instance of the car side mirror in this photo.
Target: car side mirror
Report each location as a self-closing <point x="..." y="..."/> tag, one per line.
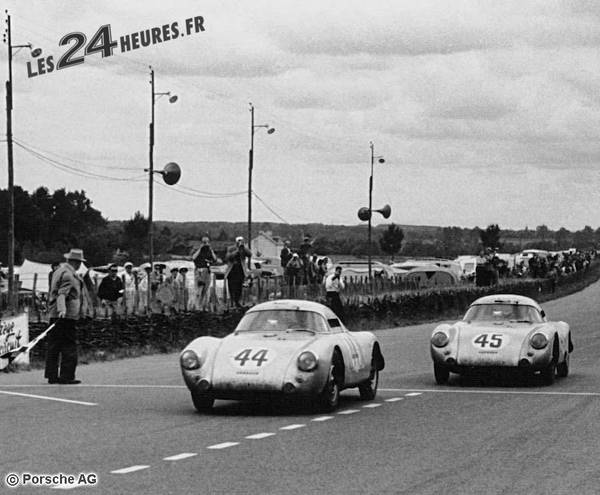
<point x="543" y="313"/>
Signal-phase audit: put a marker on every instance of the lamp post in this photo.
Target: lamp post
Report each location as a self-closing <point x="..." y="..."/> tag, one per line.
<point x="150" y="170"/>
<point x="253" y="127"/>
<point x="9" y="150"/>
<point x="380" y="160"/>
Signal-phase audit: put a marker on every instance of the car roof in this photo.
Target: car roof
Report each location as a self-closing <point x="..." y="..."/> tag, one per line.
<point x="507" y="299"/>
<point x="294" y="305"/>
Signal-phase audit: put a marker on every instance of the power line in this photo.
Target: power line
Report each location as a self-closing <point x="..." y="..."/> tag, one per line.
<point x="270" y="209"/>
<point x="73" y="170"/>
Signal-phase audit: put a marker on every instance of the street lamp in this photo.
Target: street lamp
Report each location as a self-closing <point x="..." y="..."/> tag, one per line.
<point x="367" y="213"/>
<point x="253" y="127"/>
<point x="9" y="149"/>
<point x="150" y="170"/>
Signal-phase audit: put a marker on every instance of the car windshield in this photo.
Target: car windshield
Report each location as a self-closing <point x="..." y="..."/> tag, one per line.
<point x="281" y="320"/>
<point x="503" y="312"/>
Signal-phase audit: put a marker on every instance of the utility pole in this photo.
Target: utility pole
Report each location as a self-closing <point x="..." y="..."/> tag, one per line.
<point x="11" y="191"/>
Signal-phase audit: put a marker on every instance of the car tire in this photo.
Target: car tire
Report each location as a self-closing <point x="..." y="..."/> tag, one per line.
<point x="368" y="388"/>
<point x="562" y="369"/>
<point x="202" y="402"/>
<point x="549" y="373"/>
<point x="441" y="374"/>
<point x="329" y="398"/>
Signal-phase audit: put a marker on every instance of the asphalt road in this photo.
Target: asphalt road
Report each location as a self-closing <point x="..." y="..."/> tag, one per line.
<point x="132" y="424"/>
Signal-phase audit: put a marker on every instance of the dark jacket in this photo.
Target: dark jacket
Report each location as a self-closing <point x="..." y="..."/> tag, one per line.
<point x="110" y="289"/>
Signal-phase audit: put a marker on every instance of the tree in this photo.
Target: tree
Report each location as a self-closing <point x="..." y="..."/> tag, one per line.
<point x="391" y="240"/>
<point x="490" y="237"/>
<point x="135" y="235"/>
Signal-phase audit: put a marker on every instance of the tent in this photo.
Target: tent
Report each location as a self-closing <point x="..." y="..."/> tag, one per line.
<point x="431" y="276"/>
<point x="28" y="270"/>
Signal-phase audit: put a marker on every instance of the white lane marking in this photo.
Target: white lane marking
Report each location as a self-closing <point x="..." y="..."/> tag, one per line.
<point x="130" y="469"/>
<point x="179" y="457"/>
<point x="394" y="399"/>
<point x="413" y="394"/>
<point x="64" y="487"/>
<point x="322" y="418"/>
<point x="223" y="445"/>
<point x="497" y="392"/>
<point x="349" y="411"/>
<point x="371" y="406"/>
<point x="259" y="436"/>
<point x="99" y="385"/>
<point x="44" y="397"/>
<point x="292" y="427"/>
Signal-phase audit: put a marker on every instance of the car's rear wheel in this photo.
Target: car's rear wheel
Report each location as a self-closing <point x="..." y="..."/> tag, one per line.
<point x="368" y="388"/>
<point x="202" y="402"/>
<point x="441" y="374"/>
<point x="562" y="369"/>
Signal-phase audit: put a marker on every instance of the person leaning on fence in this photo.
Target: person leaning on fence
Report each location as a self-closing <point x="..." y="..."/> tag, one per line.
<point x="236" y="269"/>
<point x="203" y="259"/>
<point x="111" y="290"/>
<point x="65" y="309"/>
<point x="333" y="285"/>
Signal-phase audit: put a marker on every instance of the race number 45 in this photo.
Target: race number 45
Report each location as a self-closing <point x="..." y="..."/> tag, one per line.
<point x="486" y="340"/>
<point x="253" y="358"/>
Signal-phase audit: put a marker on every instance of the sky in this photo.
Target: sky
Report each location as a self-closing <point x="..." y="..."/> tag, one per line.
<point x="484" y="111"/>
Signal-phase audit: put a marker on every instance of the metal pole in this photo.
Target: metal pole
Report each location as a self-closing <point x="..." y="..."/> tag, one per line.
<point x="250" y="167"/>
<point x="370" y="213"/>
<point x="11" y="193"/>
<point x="151" y="187"/>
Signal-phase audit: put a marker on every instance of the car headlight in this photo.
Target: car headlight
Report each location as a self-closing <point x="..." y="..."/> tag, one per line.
<point x="538" y="341"/>
<point x="440" y="339"/>
<point x="307" y="361"/>
<point x="189" y="360"/>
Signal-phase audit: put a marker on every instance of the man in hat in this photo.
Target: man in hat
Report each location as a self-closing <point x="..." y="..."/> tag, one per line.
<point x="111" y="289"/>
<point x="130" y="282"/>
<point x="236" y="269"/>
<point x="65" y="307"/>
<point x="203" y="259"/>
<point x="144" y="286"/>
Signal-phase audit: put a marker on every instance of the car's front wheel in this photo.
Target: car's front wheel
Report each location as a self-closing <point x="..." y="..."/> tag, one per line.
<point x="548" y="373"/>
<point x="202" y="402"/>
<point x="329" y="398"/>
<point x="562" y="369"/>
<point x="441" y="374"/>
<point x="368" y="388"/>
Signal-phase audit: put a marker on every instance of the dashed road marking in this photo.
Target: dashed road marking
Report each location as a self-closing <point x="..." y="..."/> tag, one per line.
<point x="130" y="469"/>
<point x="322" y="418"/>
<point x="349" y="411"/>
<point x="451" y="390"/>
<point x="223" y="445"/>
<point x="394" y="399"/>
<point x="63" y="487"/>
<point x="259" y="436"/>
<point x="179" y="457"/>
<point x="44" y="397"/>
<point x="371" y="406"/>
<point x="413" y="394"/>
<point x="292" y="427"/>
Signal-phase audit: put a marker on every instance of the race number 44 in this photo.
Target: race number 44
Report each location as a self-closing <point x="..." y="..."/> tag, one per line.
<point x="253" y="358"/>
<point x="486" y="340"/>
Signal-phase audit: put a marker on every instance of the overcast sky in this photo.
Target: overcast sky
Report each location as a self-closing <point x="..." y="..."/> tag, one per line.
<point x="485" y="112"/>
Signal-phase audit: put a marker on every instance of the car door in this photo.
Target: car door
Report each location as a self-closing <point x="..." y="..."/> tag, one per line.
<point x="353" y="358"/>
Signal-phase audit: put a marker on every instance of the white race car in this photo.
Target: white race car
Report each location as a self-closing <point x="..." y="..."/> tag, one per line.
<point x="502" y="332"/>
<point x="285" y="348"/>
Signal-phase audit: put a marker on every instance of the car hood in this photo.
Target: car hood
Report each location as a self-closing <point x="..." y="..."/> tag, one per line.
<point x="257" y="360"/>
<point x="491" y="344"/>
